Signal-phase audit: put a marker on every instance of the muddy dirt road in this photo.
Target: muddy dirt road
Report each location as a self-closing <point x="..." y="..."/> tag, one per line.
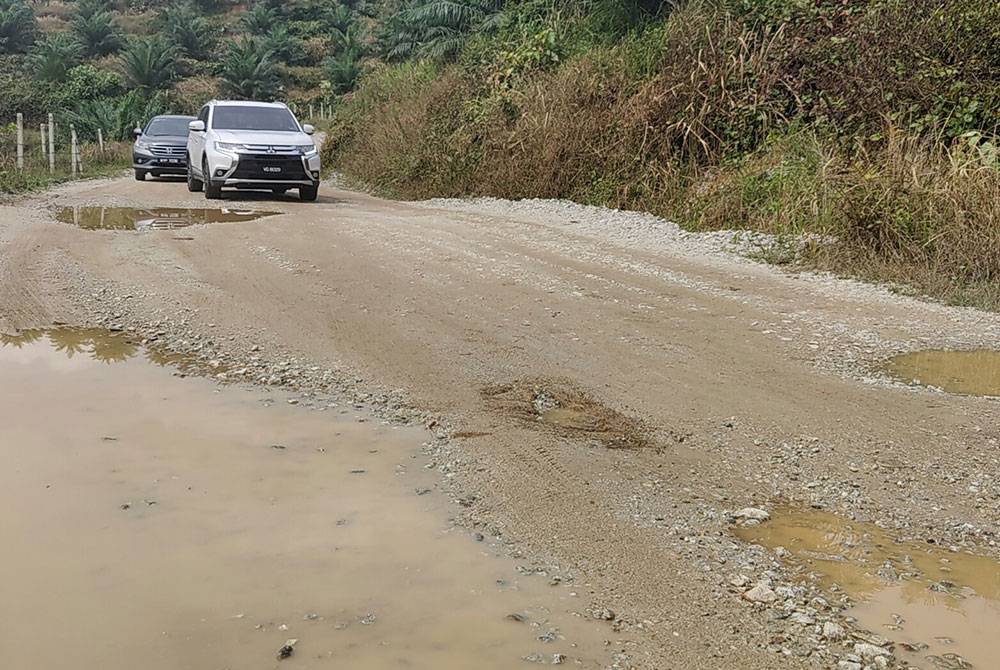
<point x="606" y="391"/>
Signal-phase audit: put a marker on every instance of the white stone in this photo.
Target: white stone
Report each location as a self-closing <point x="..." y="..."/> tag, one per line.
<point x="752" y="514"/>
<point x="869" y="651"/>
<point x="833" y="631"/>
<point x="762" y="593"/>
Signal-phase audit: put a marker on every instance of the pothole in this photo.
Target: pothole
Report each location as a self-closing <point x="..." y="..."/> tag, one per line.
<point x="155" y="218"/>
<point x="160" y="522"/>
<point x="940" y="606"/>
<point x="560" y="408"/>
<point x="962" y="372"/>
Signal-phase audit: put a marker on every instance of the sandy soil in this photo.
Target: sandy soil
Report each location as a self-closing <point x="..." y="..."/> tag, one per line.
<point x="697" y="382"/>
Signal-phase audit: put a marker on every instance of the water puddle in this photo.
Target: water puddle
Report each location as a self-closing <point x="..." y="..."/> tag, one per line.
<point x="164" y="523"/>
<point x="97" y="345"/>
<point x="942" y="608"/>
<point x="157" y="218"/>
<point x="963" y="372"/>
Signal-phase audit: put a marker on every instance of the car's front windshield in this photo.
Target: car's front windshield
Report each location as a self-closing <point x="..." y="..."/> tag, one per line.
<point x="246" y="117"/>
<point x="165" y="127"/>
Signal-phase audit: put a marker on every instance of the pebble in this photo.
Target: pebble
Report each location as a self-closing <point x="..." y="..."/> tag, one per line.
<point x="870" y="652"/>
<point x="833" y="631"/>
<point x="752" y="514"/>
<point x="287" y="649"/>
<point x="762" y="593"/>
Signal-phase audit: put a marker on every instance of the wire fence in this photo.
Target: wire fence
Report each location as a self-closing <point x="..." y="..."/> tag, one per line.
<point x="54" y="148"/>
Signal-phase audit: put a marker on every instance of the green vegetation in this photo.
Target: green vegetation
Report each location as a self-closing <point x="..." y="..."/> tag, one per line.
<point x="869" y="125"/>
<point x="176" y="53"/>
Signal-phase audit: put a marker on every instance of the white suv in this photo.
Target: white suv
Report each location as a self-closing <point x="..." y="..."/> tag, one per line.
<point x="251" y="145"/>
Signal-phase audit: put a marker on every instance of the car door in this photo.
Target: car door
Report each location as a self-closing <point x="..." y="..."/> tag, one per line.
<point x="196" y="141"/>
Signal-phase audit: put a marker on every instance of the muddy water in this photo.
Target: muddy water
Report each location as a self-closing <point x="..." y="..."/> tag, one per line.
<point x="940" y="606"/>
<point x="162" y="523"/>
<point x="964" y="372"/>
<point x="158" y="218"/>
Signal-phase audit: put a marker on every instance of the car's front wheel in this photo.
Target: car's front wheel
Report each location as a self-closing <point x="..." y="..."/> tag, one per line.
<point x="140" y="175"/>
<point x="213" y="190"/>
<point x="308" y="193"/>
<point x="194" y="184"/>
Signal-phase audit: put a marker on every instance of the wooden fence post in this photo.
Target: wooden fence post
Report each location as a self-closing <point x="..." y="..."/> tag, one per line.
<point x="311" y="117"/>
<point x="52" y="144"/>
<point x="100" y="139"/>
<point x="74" y="151"/>
<point x="20" y="141"/>
<point x="45" y="145"/>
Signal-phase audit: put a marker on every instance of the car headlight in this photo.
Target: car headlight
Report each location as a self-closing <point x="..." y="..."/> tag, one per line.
<point x="142" y="146"/>
<point x="306" y="149"/>
<point x="228" y="147"/>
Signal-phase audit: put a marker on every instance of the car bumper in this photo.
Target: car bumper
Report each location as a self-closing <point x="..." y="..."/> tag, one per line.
<point x="159" y="164"/>
<point x="263" y="170"/>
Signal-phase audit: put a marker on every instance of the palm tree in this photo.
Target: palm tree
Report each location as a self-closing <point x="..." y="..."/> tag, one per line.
<point x="149" y="63"/>
<point x="259" y="19"/>
<point x="17" y="26"/>
<point x="343" y="71"/>
<point x="248" y="70"/>
<point x="339" y="17"/>
<point x="89" y="115"/>
<point x="188" y="30"/>
<point x="284" y="46"/>
<point x="96" y="30"/>
<point x="436" y="28"/>
<point x="56" y="55"/>
<point x="344" y="67"/>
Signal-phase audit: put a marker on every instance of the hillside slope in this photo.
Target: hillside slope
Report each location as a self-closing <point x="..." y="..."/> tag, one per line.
<point x="871" y="121"/>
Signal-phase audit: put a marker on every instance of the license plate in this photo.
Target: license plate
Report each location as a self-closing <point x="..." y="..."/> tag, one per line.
<point x="173" y="161"/>
<point x="271" y="169"/>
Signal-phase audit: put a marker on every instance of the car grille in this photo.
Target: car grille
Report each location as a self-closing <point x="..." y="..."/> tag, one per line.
<point x="267" y="167"/>
<point x="168" y="152"/>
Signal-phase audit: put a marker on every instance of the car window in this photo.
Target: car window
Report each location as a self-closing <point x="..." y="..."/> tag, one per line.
<point x="203" y="115"/>
<point x="160" y="126"/>
<point x="245" y="117"/>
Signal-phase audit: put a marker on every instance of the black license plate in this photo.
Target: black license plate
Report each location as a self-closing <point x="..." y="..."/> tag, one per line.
<point x="272" y="169"/>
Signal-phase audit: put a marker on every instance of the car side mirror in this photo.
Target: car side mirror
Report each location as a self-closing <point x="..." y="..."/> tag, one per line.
<point x="137" y="132"/>
<point x="308" y="129"/>
<point x="197" y="126"/>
